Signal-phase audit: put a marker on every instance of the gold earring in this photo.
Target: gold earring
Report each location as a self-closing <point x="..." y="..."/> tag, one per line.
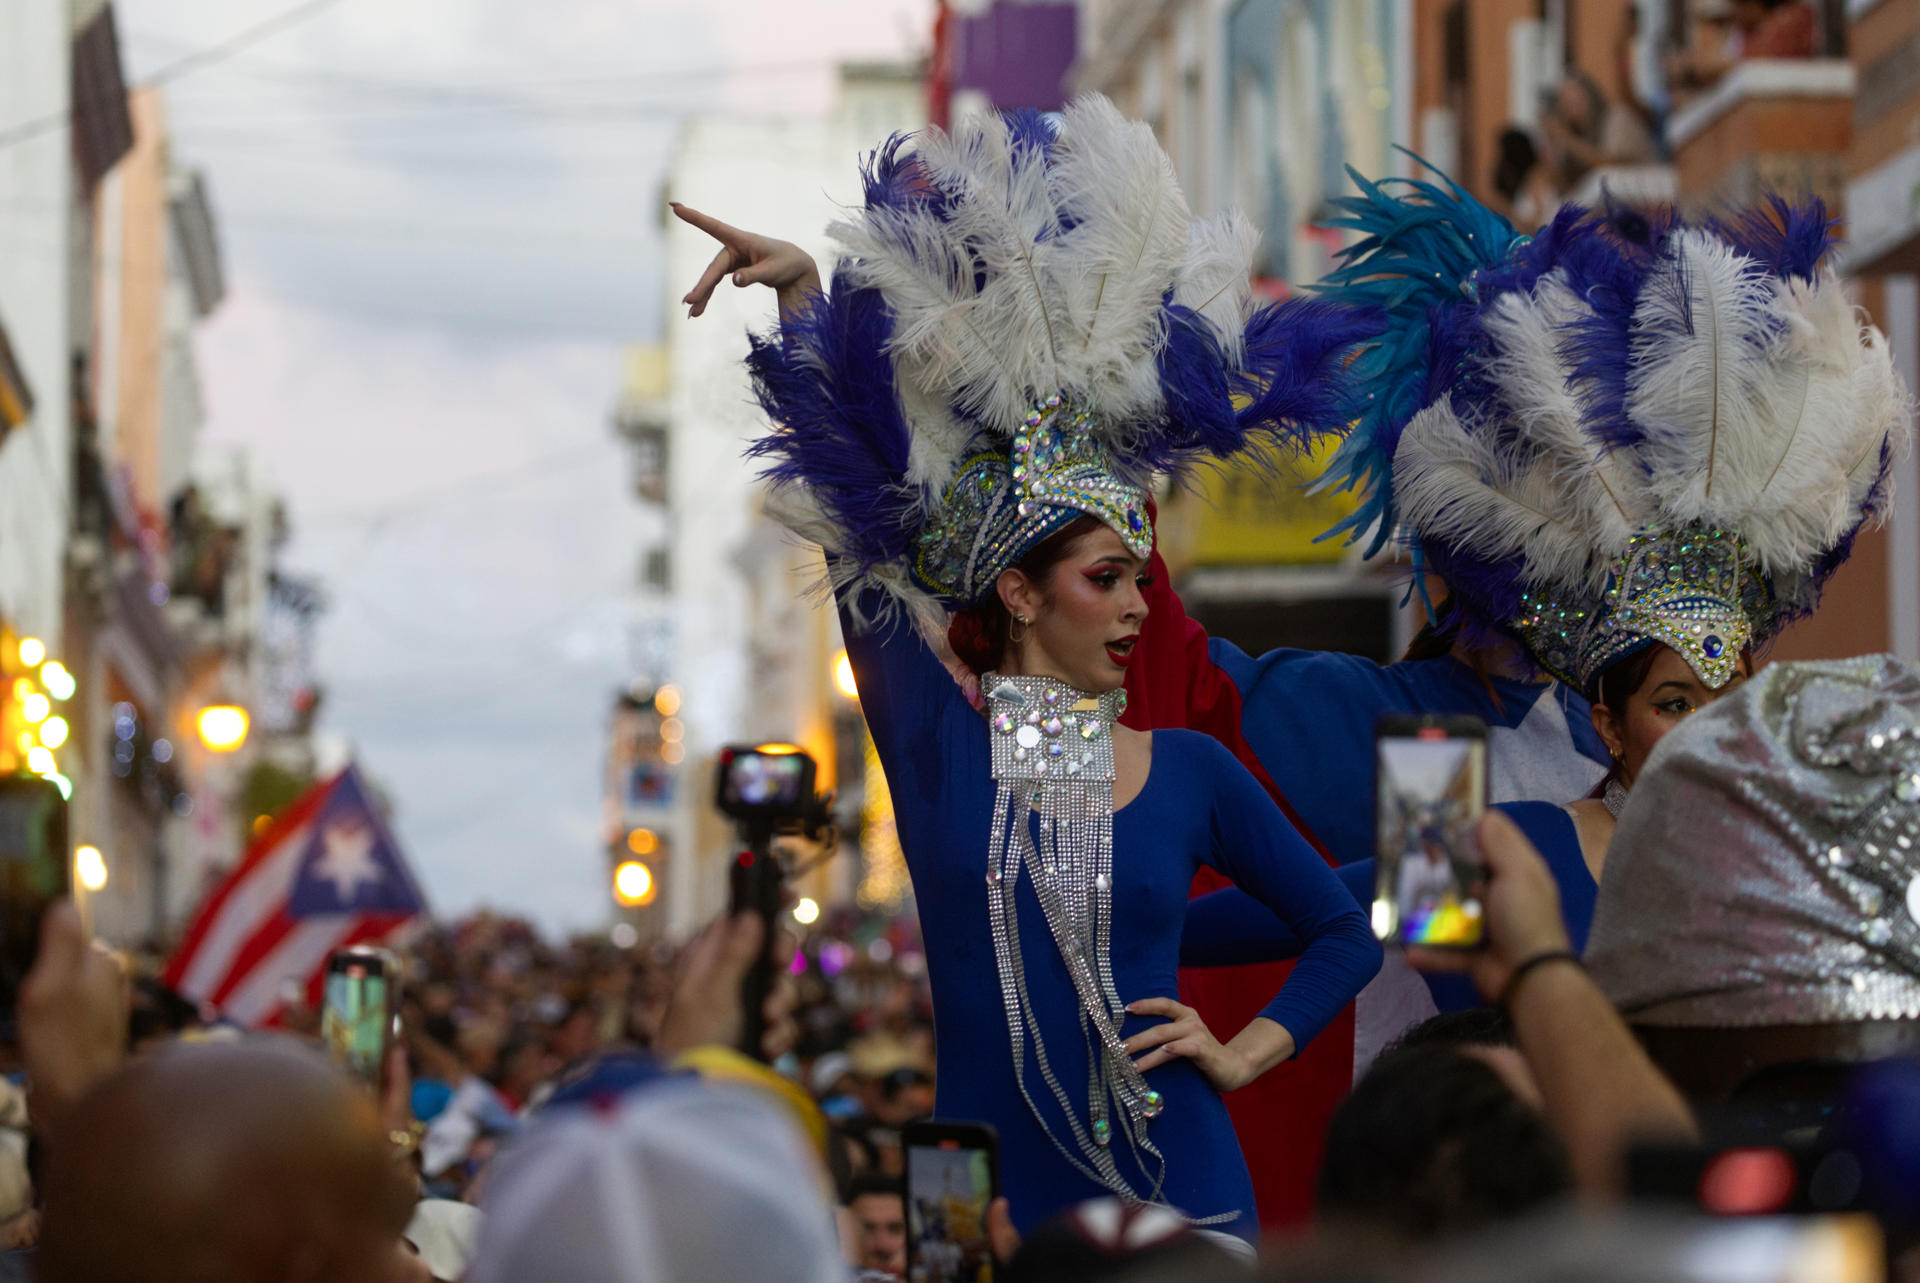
<point x="1020" y="622"/>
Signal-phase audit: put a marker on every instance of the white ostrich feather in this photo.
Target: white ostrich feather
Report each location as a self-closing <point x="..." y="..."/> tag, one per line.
<point x="1834" y="402"/>
<point x="940" y="438"/>
<point x="983" y="351"/>
<point x="1455" y="488"/>
<point x="794" y="507"/>
<point x="929" y="286"/>
<point x="1602" y="486"/>
<point x="1216" y="277"/>
<point x="1124" y="240"/>
<point x="1705" y="379"/>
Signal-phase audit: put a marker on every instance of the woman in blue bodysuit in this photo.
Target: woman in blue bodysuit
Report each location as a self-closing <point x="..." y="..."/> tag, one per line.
<point x="1629" y="496"/>
<point x="1020" y="330"/>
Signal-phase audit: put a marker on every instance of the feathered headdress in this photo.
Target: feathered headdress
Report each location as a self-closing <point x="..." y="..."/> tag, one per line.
<point x="1626" y="428"/>
<point x="1025" y="325"/>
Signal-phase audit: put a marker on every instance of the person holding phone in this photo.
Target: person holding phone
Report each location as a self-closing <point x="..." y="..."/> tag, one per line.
<point x="976" y="440"/>
<point x="1622" y="497"/>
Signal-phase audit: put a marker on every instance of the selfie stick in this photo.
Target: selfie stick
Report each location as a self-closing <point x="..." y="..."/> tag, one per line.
<point x="757" y="888"/>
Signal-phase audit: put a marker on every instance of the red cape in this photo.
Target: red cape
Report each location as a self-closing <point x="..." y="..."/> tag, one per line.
<point x="1282" y="1118"/>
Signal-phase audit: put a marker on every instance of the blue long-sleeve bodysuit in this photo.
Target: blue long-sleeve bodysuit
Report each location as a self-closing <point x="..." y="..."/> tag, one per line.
<point x="1198" y="807"/>
<point x="1230" y="928"/>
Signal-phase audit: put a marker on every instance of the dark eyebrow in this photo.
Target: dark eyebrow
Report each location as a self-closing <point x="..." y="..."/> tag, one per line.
<point x="1116" y="559"/>
<point x="1680" y="686"/>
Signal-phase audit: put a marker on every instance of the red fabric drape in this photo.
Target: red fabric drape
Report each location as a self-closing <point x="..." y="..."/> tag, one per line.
<point x="1282" y="1118"/>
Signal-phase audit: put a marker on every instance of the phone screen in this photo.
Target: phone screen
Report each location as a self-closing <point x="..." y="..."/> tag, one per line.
<point x="356" y="1016"/>
<point x="1431" y="790"/>
<point x="949" y="1185"/>
<point x="35" y="870"/>
<point x="765" y="779"/>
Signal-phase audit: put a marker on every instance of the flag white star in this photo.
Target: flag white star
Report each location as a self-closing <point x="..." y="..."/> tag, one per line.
<point x="348" y="860"/>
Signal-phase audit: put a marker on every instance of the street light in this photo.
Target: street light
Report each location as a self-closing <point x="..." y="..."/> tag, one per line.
<point x="843" y="676"/>
<point x="666" y="701"/>
<point x="90" y="867"/>
<point x="643" y="842"/>
<point x="633" y="884"/>
<point x="58" y="681"/>
<point x="54" y="732"/>
<point x="32" y="651"/>
<point x="223" y="727"/>
<point x="807" y="912"/>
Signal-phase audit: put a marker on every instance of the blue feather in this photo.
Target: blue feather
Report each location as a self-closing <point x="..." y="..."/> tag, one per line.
<point x="837" y="427"/>
<point x="1415" y="258"/>
<point x="1790" y="240"/>
<point x="1290" y="386"/>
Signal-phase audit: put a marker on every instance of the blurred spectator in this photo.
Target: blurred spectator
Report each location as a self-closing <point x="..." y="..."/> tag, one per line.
<point x="1598" y="1090"/>
<point x="1442" y="1136"/>
<point x="681" y="1181"/>
<point x="877" y="1224"/>
<point x="1107" y="1241"/>
<point x="1526" y="192"/>
<point x="1759" y="928"/>
<point x="1586" y="130"/>
<point x="1729" y="34"/>
<point x="902" y="1096"/>
<point x="256" y="1161"/>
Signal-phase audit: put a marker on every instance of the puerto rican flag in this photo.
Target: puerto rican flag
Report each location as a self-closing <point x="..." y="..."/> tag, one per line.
<point x="326" y="874"/>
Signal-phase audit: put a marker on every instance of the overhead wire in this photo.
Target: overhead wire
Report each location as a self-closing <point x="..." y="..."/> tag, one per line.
<point x="211" y="55"/>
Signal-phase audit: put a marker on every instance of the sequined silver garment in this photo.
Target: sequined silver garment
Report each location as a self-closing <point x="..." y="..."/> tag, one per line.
<point x="1053" y="754"/>
<point x="1766" y="869"/>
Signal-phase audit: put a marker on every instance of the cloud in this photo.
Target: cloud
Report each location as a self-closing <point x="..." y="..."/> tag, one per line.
<point x="441" y="221"/>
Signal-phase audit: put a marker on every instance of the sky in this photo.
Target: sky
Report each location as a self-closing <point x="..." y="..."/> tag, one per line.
<point x="440" y="222"/>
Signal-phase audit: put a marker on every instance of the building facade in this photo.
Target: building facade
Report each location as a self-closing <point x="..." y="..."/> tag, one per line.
<point x="141" y="569"/>
<point x="749" y="659"/>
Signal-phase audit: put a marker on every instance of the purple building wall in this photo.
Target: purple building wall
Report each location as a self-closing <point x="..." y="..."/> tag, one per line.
<point x="1016" y="54"/>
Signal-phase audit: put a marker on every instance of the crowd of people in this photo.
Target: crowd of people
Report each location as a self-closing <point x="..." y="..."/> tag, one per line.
<point x="610" y="1132"/>
<point x="1679" y="982"/>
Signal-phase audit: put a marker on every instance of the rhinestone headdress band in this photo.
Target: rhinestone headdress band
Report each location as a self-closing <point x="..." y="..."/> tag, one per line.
<point x="1690" y="589"/>
<point x="1002" y="503"/>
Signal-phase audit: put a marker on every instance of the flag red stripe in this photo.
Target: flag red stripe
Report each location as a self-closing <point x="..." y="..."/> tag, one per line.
<point x="259" y="945"/>
<point x="294" y="817"/>
<point x="371" y="929"/>
<point x="246" y="942"/>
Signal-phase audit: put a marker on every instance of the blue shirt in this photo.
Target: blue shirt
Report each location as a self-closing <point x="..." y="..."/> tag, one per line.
<point x="1309" y="717"/>
<point x="1230" y="928"/>
<point x="1198" y="807"/>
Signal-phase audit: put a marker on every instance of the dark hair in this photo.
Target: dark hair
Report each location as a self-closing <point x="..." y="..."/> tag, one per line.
<point x="1620" y="679"/>
<point x="867" y="1184"/>
<point x="1472" y="1027"/>
<point x="979" y="633"/>
<point x="1518" y="156"/>
<point x="1435" y="638"/>
<point x="902" y="1078"/>
<point x="1432" y="1142"/>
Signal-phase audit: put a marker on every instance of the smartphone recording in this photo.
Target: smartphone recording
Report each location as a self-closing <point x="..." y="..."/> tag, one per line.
<point x="952" y="1179"/>
<point x="35" y="870"/>
<point x="357" y="1011"/>
<point x="1430" y="791"/>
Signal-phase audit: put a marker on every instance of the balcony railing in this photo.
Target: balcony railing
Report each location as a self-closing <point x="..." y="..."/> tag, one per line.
<point x="1769" y="125"/>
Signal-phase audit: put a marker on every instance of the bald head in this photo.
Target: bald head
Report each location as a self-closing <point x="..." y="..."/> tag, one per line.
<point x="233" y="1163"/>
